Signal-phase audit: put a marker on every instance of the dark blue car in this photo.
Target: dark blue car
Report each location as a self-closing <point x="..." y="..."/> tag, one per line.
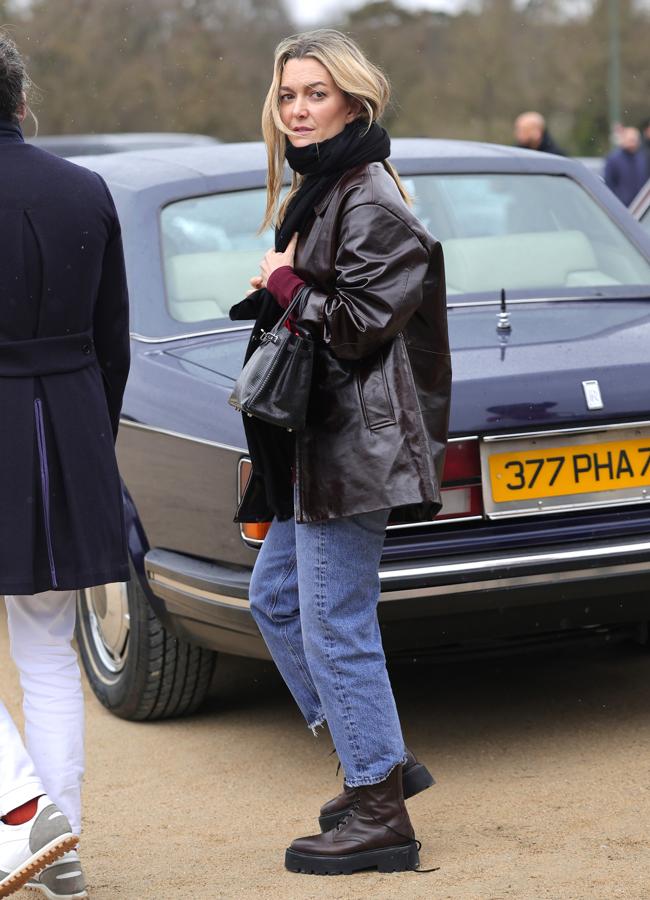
<point x="545" y="529"/>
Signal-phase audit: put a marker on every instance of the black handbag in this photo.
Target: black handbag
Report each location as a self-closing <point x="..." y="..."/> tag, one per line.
<point x="274" y="384"/>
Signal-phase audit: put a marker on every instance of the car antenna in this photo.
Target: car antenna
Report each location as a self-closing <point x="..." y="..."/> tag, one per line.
<point x="503" y="325"/>
<point x="503" y="318"/>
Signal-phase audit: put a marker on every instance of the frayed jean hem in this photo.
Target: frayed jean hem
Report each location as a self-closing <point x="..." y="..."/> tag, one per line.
<point x="366" y="782"/>
<point x="317" y="723"/>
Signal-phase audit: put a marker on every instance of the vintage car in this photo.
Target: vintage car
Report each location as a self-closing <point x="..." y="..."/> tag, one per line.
<point x="545" y="529"/>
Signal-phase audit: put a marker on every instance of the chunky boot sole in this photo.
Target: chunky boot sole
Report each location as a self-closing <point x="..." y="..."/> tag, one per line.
<point x="415" y="780"/>
<point x="389" y="859"/>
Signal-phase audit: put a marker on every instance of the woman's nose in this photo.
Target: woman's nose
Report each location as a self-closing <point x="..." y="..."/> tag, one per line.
<point x="300" y="108"/>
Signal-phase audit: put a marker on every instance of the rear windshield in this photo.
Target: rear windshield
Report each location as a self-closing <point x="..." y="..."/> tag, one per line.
<point x="525" y="233"/>
<point x="532" y="235"/>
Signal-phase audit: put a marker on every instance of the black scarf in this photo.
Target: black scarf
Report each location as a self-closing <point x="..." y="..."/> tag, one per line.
<point x="322" y="165"/>
<point x="271" y="448"/>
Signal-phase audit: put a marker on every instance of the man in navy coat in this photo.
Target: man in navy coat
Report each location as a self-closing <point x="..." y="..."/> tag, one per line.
<point x="64" y="360"/>
<point x="626" y="168"/>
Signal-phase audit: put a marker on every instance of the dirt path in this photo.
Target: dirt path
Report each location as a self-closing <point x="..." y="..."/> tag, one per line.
<point x="543" y="766"/>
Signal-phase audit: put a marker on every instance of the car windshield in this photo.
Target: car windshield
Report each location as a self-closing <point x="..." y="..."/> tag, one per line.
<point x="532" y="235"/>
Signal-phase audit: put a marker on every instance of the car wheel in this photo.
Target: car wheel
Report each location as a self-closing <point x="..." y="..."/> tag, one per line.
<point x="135" y="666"/>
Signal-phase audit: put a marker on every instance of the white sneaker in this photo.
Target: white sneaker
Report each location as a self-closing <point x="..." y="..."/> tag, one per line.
<point x="26" y="849"/>
<point x="63" y="880"/>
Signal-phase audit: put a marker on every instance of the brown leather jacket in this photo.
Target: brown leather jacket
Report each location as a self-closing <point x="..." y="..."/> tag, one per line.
<point x="378" y="418"/>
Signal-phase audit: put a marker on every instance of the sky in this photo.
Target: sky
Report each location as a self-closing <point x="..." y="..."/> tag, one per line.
<point x="309" y="12"/>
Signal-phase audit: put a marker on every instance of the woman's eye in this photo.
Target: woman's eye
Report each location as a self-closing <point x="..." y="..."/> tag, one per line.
<point x="318" y="95"/>
<point x="285" y="97"/>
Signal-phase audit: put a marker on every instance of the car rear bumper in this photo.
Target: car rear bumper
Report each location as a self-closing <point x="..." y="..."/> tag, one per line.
<point x="498" y="594"/>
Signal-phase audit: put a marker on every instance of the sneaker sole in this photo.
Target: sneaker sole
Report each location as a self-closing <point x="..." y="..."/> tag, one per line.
<point x="388" y="859"/>
<point x="51" y="896"/>
<point x="36" y="863"/>
<point x="415" y="780"/>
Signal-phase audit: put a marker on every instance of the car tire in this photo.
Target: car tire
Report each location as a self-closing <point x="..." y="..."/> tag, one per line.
<point x="136" y="667"/>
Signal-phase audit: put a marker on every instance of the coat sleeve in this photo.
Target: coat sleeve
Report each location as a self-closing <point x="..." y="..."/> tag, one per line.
<point x="111" y="319"/>
<point x="380" y="269"/>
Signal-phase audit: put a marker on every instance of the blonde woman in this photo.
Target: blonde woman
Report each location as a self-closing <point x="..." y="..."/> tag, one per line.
<point x="371" y="285"/>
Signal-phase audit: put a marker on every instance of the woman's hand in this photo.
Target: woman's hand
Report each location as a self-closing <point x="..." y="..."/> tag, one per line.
<point x="255" y="283"/>
<point x="273" y="261"/>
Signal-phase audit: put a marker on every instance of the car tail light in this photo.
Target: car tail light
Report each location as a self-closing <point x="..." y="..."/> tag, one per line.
<point x="461" y="487"/>
<point x="461" y="481"/>
<point x="255" y="531"/>
<point x="250" y="531"/>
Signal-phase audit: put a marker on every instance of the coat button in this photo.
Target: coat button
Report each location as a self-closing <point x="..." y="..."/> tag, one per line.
<point x="87" y="349"/>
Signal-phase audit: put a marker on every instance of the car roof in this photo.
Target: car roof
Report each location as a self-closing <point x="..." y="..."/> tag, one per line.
<point x="142" y="169"/>
<point x="97" y="144"/>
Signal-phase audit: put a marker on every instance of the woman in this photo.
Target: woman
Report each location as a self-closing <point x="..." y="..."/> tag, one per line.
<point x="371" y="285"/>
<point x="64" y="359"/>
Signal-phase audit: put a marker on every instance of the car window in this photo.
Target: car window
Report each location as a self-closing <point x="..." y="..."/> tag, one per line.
<point x="524" y="233"/>
<point x="211" y="249"/>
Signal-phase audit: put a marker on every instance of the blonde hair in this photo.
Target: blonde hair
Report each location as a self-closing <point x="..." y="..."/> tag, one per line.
<point x="352" y="73"/>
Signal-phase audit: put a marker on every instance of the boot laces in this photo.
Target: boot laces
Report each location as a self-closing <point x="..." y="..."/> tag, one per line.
<point x="354" y="808"/>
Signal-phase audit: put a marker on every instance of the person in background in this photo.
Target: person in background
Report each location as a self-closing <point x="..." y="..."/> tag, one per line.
<point x="368" y="283"/>
<point x="626" y="168"/>
<point x="531" y="133"/>
<point x="64" y="360"/>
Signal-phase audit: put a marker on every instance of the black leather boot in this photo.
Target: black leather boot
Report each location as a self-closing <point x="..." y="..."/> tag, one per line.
<point x="376" y="833"/>
<point x="415" y="778"/>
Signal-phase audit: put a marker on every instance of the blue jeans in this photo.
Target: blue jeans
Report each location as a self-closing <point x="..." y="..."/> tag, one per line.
<point x="314" y="594"/>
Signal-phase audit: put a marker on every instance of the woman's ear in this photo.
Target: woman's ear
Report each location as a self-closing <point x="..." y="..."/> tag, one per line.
<point x="354" y="109"/>
<point x="21" y="112"/>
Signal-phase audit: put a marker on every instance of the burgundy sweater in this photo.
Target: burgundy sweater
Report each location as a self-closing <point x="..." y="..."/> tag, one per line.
<point x="284" y="284"/>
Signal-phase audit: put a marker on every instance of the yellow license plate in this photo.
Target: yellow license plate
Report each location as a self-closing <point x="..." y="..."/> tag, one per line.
<point x="549" y="471"/>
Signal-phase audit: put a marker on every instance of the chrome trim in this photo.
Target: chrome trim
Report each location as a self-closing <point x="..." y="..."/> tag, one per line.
<point x="143" y="339"/>
<point x="468" y="587"/>
<point x="511" y="436"/>
<point x="464" y="587"/>
<point x="522" y="560"/>
<point x="435" y="522"/>
<point x="532" y="300"/>
<point x="570" y="507"/>
<point x="250" y="542"/>
<point x="129" y="423"/>
<point x="189" y="590"/>
<point x="468" y="304"/>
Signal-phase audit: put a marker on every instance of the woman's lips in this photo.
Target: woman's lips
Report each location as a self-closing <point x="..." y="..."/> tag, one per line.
<point x="303" y="130"/>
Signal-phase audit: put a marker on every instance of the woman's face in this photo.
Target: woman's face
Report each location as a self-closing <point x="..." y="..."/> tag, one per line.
<point x="311" y="105"/>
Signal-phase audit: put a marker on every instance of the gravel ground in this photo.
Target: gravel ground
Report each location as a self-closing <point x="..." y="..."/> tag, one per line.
<point x="543" y="785"/>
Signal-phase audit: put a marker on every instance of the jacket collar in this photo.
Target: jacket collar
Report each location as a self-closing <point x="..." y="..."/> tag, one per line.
<point x="10" y="132"/>
<point x="320" y="207"/>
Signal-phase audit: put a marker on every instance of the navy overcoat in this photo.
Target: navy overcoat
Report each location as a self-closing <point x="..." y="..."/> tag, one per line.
<point x="64" y="360"/>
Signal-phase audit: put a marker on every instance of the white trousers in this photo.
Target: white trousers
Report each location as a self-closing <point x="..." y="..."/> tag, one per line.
<point x="51" y="760"/>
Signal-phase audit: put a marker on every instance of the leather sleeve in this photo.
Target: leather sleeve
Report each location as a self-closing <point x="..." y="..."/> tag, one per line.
<point x="380" y="268"/>
<point x="111" y="320"/>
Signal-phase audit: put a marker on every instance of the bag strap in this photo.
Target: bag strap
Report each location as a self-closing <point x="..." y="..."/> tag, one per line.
<point x="303" y="293"/>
